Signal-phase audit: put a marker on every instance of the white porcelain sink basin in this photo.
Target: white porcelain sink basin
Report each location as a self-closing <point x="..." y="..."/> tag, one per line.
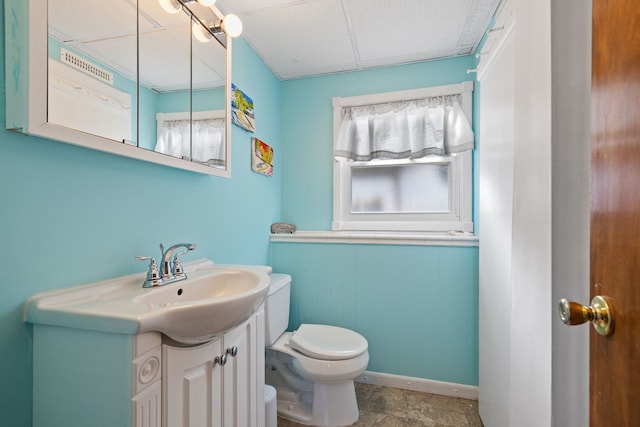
<point x="214" y="299"/>
<point x="219" y="284"/>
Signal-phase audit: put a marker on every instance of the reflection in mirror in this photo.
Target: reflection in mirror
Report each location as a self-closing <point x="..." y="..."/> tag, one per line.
<point x="185" y="111"/>
<point x="94" y="69"/>
<point x="165" y="79"/>
<point x="208" y="95"/>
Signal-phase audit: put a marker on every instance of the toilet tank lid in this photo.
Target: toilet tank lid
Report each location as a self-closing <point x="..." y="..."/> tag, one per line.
<point x="328" y="342"/>
<point x="278" y="281"/>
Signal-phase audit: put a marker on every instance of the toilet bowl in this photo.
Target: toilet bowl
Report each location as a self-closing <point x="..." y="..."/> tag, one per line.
<point x="313" y="368"/>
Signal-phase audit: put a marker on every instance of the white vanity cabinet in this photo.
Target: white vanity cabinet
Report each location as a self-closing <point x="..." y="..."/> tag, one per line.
<point x="87" y="378"/>
<point x="147" y="384"/>
<point x="217" y="384"/>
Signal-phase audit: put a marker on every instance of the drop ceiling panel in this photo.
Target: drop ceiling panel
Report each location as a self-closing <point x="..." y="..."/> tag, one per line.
<point x="301" y="38"/>
<point x="405" y="28"/>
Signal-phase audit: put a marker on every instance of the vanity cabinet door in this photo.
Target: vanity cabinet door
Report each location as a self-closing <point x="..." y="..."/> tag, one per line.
<point x="199" y="390"/>
<point x="240" y="376"/>
<point x="191" y="386"/>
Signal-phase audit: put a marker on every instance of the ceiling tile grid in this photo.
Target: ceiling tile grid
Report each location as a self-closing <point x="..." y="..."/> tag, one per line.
<point x="301" y="38"/>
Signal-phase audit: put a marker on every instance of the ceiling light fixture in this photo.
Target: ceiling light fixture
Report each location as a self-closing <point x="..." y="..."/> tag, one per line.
<point x="175" y="6"/>
<point x="200" y="32"/>
<point x="230" y="24"/>
<point x="170" y="6"/>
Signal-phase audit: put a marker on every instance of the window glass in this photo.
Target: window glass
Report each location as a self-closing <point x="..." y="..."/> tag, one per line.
<point x="408" y="188"/>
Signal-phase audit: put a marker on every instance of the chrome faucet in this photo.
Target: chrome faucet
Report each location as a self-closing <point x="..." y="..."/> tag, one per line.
<point x="170" y="269"/>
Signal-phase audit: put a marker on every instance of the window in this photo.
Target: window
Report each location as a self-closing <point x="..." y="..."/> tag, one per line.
<point x="415" y="183"/>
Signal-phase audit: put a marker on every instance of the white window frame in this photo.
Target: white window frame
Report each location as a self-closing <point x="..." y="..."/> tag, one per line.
<point x="459" y="218"/>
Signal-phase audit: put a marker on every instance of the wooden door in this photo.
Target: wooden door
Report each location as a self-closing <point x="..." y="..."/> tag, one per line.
<point x="615" y="210"/>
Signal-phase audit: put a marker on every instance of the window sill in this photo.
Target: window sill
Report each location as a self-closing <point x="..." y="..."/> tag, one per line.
<point x="378" y="238"/>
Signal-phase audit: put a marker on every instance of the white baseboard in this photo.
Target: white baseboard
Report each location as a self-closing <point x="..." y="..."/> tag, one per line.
<point x="462" y="391"/>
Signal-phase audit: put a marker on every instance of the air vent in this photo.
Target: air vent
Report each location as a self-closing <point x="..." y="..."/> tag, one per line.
<point x="85" y="66"/>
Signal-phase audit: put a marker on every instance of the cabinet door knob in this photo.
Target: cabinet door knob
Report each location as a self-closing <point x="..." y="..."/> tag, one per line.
<point x="221" y="360"/>
<point x="600" y="313"/>
<point x="232" y="351"/>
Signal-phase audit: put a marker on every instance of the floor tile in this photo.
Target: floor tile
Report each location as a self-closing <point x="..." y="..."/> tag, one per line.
<point x="393" y="407"/>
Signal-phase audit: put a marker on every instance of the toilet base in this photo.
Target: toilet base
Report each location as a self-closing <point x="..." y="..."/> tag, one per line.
<point x="329" y="405"/>
<point x="314" y="403"/>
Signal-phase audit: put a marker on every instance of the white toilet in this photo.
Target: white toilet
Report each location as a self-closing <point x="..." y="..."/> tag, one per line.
<point x="312" y="368"/>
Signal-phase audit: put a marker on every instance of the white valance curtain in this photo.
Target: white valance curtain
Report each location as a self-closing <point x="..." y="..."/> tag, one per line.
<point x="406" y="129"/>
<point x="207" y="136"/>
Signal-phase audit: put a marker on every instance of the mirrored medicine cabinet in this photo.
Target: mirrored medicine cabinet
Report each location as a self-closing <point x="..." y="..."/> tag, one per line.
<point x="122" y="76"/>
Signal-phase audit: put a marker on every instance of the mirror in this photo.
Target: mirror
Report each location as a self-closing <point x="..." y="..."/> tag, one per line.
<point x="184" y="106"/>
<point x="125" y="76"/>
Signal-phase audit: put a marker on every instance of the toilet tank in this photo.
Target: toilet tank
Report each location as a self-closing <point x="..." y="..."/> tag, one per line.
<point x="276" y="307"/>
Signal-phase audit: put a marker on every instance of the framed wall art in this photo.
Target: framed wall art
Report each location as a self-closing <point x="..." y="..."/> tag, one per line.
<point x="261" y="157"/>
<point x="242" y="113"/>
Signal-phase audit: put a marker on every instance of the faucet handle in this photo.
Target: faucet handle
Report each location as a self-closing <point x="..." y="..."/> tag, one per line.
<point x="153" y="275"/>
<point x="178" y="271"/>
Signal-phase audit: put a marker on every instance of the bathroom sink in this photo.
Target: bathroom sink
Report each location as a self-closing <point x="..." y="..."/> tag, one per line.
<point x="200" y="308"/>
<point x="219" y="284"/>
<point x="212" y="300"/>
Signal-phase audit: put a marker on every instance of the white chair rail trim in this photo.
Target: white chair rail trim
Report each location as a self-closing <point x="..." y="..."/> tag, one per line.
<point x="380" y="238"/>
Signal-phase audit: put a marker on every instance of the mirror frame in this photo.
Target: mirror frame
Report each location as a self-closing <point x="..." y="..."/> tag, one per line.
<point x="26" y="56"/>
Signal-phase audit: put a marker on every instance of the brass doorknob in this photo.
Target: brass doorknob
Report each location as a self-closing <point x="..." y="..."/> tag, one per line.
<point x="599" y="313"/>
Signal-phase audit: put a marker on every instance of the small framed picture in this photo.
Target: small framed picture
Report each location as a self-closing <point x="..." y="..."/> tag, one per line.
<point x="262" y="157"/>
<point x="242" y="109"/>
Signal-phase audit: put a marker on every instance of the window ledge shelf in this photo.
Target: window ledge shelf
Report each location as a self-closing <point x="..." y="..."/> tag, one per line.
<point x="377" y="238"/>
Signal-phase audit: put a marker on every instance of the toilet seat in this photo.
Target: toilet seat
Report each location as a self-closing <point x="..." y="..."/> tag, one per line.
<point x="327" y="342"/>
<point x="314" y="369"/>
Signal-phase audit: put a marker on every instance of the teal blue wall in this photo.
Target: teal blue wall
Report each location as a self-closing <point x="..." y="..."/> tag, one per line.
<point x="399" y="297"/>
<point x="60" y="399"/>
<point x="70" y="216"/>
<point x="416" y="305"/>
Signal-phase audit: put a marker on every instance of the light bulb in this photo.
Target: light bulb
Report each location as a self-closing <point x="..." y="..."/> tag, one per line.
<point x="170" y="6"/>
<point x="200" y="33"/>
<point x="232" y="25"/>
<point x="207" y="3"/>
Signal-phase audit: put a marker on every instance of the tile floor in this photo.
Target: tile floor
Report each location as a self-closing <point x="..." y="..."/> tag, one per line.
<point x="393" y="407"/>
